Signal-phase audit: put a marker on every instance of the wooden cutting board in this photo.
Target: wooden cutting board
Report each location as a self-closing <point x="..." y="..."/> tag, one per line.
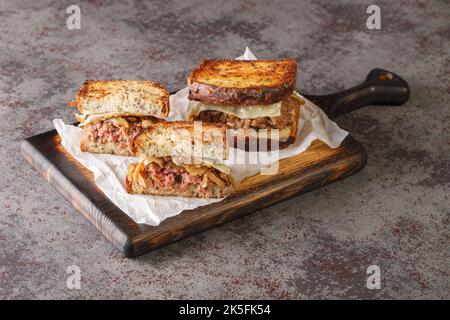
<point x="312" y="169"/>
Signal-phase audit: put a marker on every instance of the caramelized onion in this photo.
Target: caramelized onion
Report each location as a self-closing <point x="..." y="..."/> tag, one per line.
<point x="195" y="170"/>
<point x="215" y="179"/>
<point x="119" y="122"/>
<point x="146" y="123"/>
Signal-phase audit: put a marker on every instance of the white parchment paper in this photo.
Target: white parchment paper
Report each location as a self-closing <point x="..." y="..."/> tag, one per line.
<point x="110" y="170"/>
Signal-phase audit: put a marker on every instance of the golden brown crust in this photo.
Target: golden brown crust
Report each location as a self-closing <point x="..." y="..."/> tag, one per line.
<point x="241" y="82"/>
<point x="144" y="97"/>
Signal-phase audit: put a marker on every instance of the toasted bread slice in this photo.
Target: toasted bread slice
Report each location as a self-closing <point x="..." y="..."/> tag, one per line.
<point x="161" y="176"/>
<point x="241" y="82"/>
<point x="187" y="141"/>
<point x="136" y="97"/>
<point x="114" y="135"/>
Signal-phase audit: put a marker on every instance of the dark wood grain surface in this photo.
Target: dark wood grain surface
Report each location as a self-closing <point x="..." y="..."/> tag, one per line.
<point x="314" y="168"/>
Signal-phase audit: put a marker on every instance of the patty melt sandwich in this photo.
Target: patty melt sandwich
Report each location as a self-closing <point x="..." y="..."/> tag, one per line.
<point x="181" y="159"/>
<point x="113" y="113"/>
<point x="254" y="98"/>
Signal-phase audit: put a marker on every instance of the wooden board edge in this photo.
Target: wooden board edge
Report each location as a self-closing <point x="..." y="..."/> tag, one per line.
<point x="69" y="191"/>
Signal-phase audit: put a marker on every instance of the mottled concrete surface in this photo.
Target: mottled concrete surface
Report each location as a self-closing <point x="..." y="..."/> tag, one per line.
<point x="394" y="213"/>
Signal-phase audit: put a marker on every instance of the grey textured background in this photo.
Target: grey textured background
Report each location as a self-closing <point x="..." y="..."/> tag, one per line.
<point x="394" y="213"/>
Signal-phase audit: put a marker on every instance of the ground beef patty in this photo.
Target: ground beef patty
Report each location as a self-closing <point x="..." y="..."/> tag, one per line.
<point x="122" y="132"/>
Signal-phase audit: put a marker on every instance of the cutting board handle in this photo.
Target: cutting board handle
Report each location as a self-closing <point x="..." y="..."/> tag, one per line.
<point x="381" y="87"/>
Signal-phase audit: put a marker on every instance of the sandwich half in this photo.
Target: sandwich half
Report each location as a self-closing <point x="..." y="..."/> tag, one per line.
<point x="162" y="176"/>
<point x="181" y="159"/>
<point x="255" y="99"/>
<point x="114" y="112"/>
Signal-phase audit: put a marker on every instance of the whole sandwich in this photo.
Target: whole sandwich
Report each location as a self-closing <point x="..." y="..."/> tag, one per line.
<point x="255" y="99"/>
<point x="114" y="112"/>
<point x="181" y="159"/>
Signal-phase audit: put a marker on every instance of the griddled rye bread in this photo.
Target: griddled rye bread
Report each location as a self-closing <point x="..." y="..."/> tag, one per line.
<point x="135" y="97"/>
<point x="178" y="138"/>
<point x="242" y="82"/>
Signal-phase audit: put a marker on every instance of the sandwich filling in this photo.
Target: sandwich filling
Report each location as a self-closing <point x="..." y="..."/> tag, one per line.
<point x="243" y="112"/>
<point x="163" y="175"/>
<point x="120" y="130"/>
<point x="278" y="116"/>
